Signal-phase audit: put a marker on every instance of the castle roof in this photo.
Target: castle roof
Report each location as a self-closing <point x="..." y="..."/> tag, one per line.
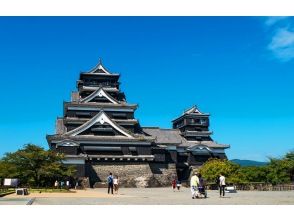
<point x="100" y="93"/>
<point x="174" y="137"/>
<point x="101" y="118"/>
<point x="99" y="69"/>
<point x="193" y="111"/>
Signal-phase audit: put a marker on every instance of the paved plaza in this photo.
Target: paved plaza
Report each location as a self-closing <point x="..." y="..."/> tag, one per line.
<point x="150" y="196"/>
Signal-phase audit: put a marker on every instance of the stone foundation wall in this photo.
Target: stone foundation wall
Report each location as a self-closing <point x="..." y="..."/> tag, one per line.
<point x="137" y="174"/>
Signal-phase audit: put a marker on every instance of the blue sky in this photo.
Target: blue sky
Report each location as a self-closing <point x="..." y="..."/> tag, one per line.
<point x="239" y="69"/>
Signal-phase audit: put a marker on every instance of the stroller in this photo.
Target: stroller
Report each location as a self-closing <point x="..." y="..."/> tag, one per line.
<point x="202" y="191"/>
<point x="201" y="187"/>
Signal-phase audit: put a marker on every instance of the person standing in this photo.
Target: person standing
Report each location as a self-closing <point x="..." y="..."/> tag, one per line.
<point x="110" y="183"/>
<point x="179" y="185"/>
<point x="56" y="184"/>
<point x="201" y="180"/>
<point x="115" y="184"/>
<point x="61" y="184"/>
<point x="222" y="185"/>
<point x="174" y="183"/>
<point x="201" y="187"/>
<point x="194" y="182"/>
<point x="67" y="184"/>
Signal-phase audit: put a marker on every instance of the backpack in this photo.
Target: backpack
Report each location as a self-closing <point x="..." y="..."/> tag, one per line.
<point x="217" y="181"/>
<point x="109" y="180"/>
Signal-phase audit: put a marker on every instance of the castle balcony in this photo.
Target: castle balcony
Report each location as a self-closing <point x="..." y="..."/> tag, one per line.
<point x="195" y="123"/>
<point x="121" y="157"/>
<point x="101" y="84"/>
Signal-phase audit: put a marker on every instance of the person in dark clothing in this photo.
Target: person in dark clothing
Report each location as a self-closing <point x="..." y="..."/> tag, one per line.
<point x="110" y="183"/>
<point x="201" y="186"/>
<point x="201" y="180"/>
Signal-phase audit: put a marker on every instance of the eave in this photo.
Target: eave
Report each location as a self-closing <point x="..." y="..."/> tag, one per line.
<point x="94" y="105"/>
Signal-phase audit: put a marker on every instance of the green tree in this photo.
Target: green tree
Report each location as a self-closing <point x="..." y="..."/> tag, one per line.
<point x="277" y="171"/>
<point x="34" y="166"/>
<point x="253" y="174"/>
<point x="281" y="170"/>
<point x="289" y="158"/>
<point x="213" y="167"/>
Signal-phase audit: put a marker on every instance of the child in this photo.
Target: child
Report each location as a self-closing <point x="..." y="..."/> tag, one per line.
<point x="115" y="184"/>
<point x="174" y="182"/>
<point x="178" y="185"/>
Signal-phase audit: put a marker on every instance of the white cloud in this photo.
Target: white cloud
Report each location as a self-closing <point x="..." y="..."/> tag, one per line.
<point x="270" y="21"/>
<point x="282" y="44"/>
<point x="281" y="30"/>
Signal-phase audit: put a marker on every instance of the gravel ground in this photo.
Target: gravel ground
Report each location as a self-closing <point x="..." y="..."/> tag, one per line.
<point x="153" y="196"/>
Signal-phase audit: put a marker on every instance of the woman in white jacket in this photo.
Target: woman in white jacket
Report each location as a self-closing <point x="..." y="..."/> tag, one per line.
<point x="194" y="183"/>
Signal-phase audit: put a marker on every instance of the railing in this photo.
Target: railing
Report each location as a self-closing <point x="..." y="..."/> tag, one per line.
<point x="101" y="84"/>
<point x="256" y="187"/>
<point x="283" y="188"/>
<point x="265" y="187"/>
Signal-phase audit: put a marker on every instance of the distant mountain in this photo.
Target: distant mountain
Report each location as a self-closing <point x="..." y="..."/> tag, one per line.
<point x="246" y="163"/>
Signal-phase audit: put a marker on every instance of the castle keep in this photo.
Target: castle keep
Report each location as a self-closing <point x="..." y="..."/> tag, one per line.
<point x="98" y="134"/>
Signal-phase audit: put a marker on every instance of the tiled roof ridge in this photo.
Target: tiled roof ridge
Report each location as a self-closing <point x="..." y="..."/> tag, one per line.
<point x="96" y="93"/>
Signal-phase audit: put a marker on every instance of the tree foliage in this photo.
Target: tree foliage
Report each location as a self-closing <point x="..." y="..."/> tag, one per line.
<point x="34" y="166"/>
<point x="213" y="167"/>
<point x="253" y="174"/>
<point x="277" y="171"/>
<point x="289" y="158"/>
<point x="281" y="170"/>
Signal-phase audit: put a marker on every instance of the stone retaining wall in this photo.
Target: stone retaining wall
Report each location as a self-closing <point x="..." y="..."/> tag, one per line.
<point x="131" y="174"/>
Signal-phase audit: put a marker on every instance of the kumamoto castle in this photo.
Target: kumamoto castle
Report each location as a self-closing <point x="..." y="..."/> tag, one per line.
<point x="98" y="134"/>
